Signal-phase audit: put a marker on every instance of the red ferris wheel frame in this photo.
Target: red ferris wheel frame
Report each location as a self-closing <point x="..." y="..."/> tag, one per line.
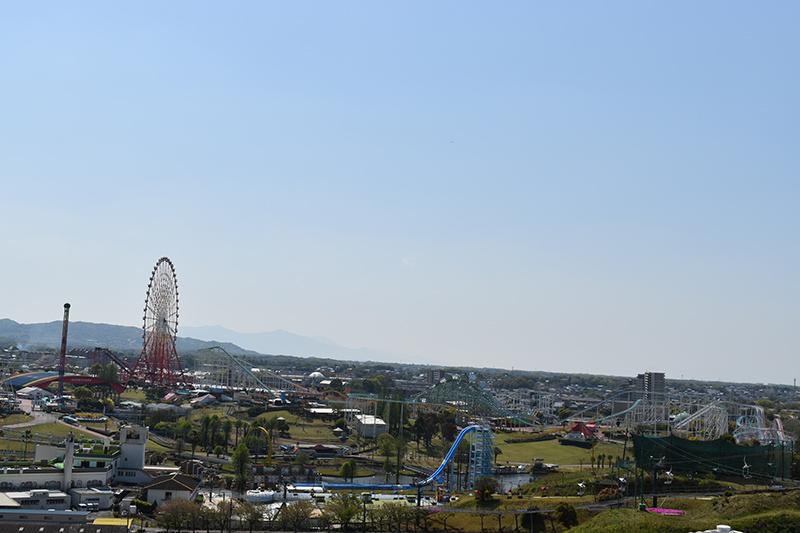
<point x="158" y="364"/>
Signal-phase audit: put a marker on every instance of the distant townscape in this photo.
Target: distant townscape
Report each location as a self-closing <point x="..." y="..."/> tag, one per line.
<point x="184" y="434"/>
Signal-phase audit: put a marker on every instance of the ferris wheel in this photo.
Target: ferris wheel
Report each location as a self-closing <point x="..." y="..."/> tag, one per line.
<point x="158" y="364"/>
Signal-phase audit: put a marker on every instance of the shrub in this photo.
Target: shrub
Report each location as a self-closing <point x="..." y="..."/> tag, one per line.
<point x="566" y="514"/>
<point x="608" y="494"/>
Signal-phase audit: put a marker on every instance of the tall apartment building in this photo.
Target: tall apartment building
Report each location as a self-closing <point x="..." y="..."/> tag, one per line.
<point x="650" y="387"/>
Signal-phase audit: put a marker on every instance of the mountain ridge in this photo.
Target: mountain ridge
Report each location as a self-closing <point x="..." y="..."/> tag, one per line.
<point x="129" y="339"/>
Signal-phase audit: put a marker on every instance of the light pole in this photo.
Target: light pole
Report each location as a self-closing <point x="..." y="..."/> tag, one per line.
<point x="364" y="498"/>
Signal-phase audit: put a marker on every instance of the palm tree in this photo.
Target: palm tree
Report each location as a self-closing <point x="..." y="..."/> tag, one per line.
<point x="205" y="423"/>
<point x="215" y="424"/>
<point x="194" y="440"/>
<point x="26" y="436"/>
<point x="239" y="425"/>
<point x="227" y="427"/>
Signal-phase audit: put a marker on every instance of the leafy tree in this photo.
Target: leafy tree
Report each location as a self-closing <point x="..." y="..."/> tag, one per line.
<point x="250" y="512"/>
<point x="341" y="508"/>
<point x="82" y="393"/>
<point x="425" y="427"/>
<point x="348" y="470"/>
<point x="95" y="369"/>
<point x="177" y="514"/>
<point x="109" y="406"/>
<point x="395" y="515"/>
<point x="154" y="394"/>
<point x="447" y="423"/>
<point x="110" y="373"/>
<point x="301" y="459"/>
<point x="179" y="444"/>
<point x="400" y="447"/>
<point x="218" y="451"/>
<point x="387" y="468"/>
<point x="223" y="513"/>
<point x="385" y="444"/>
<point x="485" y="486"/>
<point x="297" y="514"/>
<point x="241" y="467"/>
<point x="566" y="514"/>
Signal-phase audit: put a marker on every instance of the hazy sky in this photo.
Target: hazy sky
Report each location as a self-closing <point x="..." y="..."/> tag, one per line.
<point x="596" y="187"/>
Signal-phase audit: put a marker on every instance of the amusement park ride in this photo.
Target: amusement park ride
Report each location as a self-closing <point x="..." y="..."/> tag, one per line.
<point x="158" y="364"/>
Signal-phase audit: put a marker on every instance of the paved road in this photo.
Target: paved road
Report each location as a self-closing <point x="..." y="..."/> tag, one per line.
<point x="39" y="417"/>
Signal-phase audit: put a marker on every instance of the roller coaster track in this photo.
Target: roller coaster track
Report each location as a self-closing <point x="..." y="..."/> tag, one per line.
<point x="269" y="390"/>
<point x="576" y="417"/>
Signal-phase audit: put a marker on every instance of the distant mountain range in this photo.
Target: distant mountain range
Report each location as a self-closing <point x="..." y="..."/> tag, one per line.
<point x="282" y="342"/>
<point x="129" y="339"/>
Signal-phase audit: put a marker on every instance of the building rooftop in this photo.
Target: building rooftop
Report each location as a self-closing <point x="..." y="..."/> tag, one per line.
<point x="174" y="482"/>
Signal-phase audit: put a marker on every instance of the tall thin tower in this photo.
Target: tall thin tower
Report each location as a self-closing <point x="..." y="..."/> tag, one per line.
<point x="62" y="363"/>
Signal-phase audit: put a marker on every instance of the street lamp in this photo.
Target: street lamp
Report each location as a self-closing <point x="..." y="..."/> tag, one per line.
<point x="364" y="498"/>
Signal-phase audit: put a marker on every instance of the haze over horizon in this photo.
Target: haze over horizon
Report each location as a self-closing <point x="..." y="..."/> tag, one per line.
<point x="603" y="189"/>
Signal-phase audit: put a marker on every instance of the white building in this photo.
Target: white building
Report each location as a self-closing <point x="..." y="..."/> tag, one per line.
<point x="83" y="467"/>
<point x="171" y="487"/>
<point x="34" y="393"/>
<point x="92" y="498"/>
<point x="41" y="499"/>
<point x="370" y="425"/>
<point x="130" y="466"/>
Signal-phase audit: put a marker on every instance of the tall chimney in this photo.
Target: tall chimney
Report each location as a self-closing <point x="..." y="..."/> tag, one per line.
<point x="69" y="460"/>
<point x="62" y="363"/>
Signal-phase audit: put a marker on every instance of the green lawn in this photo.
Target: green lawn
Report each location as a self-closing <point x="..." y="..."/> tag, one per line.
<point x="54" y="428"/>
<point x="553" y="452"/>
<point x="18" y="418"/>
<point x="133" y="395"/>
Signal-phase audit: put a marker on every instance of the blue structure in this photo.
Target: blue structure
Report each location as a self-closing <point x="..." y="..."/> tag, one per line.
<point x="481" y="454"/>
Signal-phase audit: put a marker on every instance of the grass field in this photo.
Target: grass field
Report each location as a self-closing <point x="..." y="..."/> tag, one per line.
<point x="54" y="428"/>
<point x="19" y="418"/>
<point x="569" y="457"/>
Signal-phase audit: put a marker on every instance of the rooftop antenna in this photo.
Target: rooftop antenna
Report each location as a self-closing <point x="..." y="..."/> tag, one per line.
<point x="63" y="361"/>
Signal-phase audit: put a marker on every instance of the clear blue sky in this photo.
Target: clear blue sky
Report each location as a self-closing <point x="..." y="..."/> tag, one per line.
<point x="571" y="187"/>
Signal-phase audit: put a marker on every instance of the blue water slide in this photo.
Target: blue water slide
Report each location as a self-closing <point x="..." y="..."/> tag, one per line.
<point x="449" y="456"/>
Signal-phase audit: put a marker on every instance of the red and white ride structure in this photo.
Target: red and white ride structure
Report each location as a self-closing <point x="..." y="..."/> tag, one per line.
<point x="158" y="364"/>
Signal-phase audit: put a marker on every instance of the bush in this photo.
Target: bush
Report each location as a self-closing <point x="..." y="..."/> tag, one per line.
<point x="144" y="507"/>
<point x="608" y="494"/>
<point x="254" y="411"/>
<point x="566" y="514"/>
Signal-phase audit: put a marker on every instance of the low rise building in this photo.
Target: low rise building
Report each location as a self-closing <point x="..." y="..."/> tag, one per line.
<point x="41" y="499"/>
<point x="92" y="498"/>
<point x="173" y="486"/>
<point x="369" y="425"/>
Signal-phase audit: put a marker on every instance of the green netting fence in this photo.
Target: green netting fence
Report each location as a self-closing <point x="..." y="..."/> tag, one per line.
<point x="717" y="456"/>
